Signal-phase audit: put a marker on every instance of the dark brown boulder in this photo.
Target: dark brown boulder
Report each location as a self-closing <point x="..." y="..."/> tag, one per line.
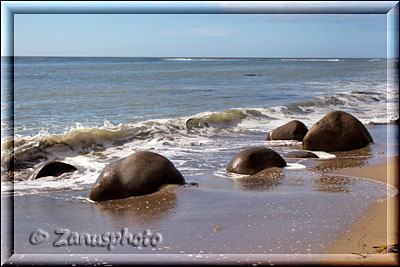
<point x="141" y="173"/>
<point x="293" y="130"/>
<point x="337" y="131"/>
<point x="300" y="154"/>
<point x="253" y="160"/>
<point x="52" y="168"/>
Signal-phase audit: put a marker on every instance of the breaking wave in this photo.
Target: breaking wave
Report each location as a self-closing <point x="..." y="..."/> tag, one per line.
<point x="313" y="59"/>
<point x="369" y="107"/>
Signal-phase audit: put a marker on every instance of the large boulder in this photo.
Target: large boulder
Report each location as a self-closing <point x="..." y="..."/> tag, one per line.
<point x="253" y="160"/>
<point x="293" y="130"/>
<point x="141" y="173"/>
<point x="337" y="131"/>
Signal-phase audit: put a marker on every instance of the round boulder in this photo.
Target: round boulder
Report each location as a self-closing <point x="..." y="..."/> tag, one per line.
<point x="52" y="168"/>
<point x="337" y="131"/>
<point x="253" y="160"/>
<point x="141" y="173"/>
<point x="293" y="130"/>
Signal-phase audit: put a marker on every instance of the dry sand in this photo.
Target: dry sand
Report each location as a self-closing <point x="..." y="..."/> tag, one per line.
<point x="378" y="226"/>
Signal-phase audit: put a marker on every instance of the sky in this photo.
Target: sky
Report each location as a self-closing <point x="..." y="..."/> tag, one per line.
<point x="201" y="35"/>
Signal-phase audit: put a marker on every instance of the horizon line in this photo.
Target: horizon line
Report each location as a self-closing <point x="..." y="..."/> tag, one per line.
<point x="195" y="57"/>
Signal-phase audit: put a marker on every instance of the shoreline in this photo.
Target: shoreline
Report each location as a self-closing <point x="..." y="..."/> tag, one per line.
<point x="198" y="221"/>
<point x="377" y="227"/>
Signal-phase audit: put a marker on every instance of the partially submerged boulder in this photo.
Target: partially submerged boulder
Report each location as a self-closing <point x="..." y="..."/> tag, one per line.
<point x="52" y="168"/>
<point x="293" y="130"/>
<point x="337" y="131"/>
<point x="253" y="160"/>
<point x="196" y="123"/>
<point x="141" y="173"/>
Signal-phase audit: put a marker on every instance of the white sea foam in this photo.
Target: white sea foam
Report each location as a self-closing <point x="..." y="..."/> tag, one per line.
<point x="86" y="199"/>
<point x="222" y="173"/>
<point x="178" y="59"/>
<point x="322" y="154"/>
<point x="295" y="166"/>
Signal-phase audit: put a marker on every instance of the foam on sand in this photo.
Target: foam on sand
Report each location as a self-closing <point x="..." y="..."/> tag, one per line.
<point x="295" y="166"/>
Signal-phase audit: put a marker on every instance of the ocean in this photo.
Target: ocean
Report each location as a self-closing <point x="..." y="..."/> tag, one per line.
<point x="91" y="111"/>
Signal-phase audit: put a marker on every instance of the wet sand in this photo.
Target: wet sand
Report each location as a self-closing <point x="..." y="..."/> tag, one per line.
<point x="378" y="227"/>
<point x="248" y="223"/>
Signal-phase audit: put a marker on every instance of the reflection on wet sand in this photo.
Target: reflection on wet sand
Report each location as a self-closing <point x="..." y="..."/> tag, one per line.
<point x="266" y="179"/>
<point x="347" y="159"/>
<point x="332" y="184"/>
<point x="141" y="210"/>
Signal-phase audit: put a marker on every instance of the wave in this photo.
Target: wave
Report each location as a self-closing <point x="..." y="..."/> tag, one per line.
<point x="313" y="59"/>
<point x="212" y="59"/>
<point x="177" y="59"/>
<point x="30" y="150"/>
<point x="82" y="140"/>
<point x="230" y="59"/>
<point x="199" y="59"/>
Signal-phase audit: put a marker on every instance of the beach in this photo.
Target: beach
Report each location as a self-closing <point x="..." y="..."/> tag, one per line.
<point x="377" y="227"/>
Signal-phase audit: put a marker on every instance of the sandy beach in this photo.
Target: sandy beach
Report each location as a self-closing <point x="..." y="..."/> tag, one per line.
<point x="378" y="227"/>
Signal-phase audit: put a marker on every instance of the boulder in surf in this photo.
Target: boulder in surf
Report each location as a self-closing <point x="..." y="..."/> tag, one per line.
<point x="337" y="131"/>
<point x="196" y="123"/>
<point x="253" y="160"/>
<point x="139" y="174"/>
<point x="293" y="130"/>
<point x="52" y="168"/>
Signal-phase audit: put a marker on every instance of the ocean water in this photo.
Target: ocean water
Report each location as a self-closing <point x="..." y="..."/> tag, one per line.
<point x="91" y="111"/>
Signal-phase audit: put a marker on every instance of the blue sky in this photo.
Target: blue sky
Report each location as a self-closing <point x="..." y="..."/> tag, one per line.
<point x="200" y="35"/>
